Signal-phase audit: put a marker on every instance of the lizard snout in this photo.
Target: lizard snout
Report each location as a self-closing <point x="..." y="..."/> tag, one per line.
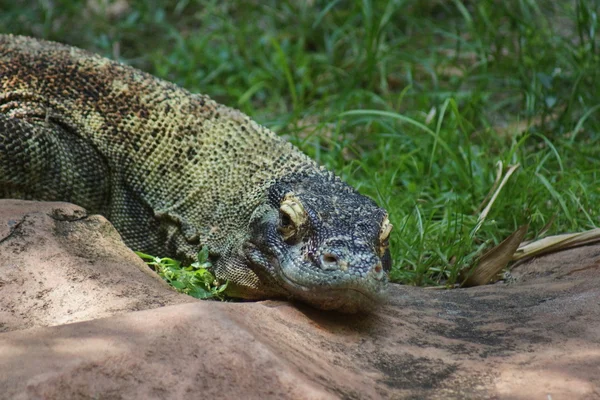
<point x="339" y="260"/>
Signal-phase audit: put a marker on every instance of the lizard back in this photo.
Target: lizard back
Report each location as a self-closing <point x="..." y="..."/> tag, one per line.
<point x="186" y="163"/>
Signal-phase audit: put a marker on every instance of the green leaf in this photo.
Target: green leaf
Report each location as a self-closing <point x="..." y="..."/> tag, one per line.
<point x="200" y="293"/>
<point x="178" y="285"/>
<point x="203" y="255"/>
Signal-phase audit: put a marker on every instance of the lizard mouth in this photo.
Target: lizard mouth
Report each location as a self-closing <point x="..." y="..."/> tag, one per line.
<point x="348" y="300"/>
<point x="338" y="296"/>
<point x="285" y="270"/>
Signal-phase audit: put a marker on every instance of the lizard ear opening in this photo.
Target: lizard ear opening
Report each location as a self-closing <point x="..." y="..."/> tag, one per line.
<point x="291" y="216"/>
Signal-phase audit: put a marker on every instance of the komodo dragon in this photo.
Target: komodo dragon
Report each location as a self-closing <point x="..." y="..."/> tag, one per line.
<point x="174" y="171"/>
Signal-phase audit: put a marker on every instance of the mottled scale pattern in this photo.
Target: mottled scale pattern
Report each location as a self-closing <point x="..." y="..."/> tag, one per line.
<point x="171" y="170"/>
<point x="183" y="156"/>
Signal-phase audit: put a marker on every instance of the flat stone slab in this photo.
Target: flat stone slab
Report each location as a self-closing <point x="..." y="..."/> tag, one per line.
<point x="537" y="338"/>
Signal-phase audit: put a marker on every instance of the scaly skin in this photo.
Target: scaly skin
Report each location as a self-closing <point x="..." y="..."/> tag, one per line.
<point x="174" y="171"/>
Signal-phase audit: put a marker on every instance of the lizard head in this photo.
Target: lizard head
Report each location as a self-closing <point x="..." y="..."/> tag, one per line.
<point x="318" y="240"/>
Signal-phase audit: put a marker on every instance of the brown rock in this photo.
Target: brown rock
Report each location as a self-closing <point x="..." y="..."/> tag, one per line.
<point x="59" y="265"/>
<point x="538" y="338"/>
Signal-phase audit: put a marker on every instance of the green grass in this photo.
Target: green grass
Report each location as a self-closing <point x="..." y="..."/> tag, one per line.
<point x="412" y="102"/>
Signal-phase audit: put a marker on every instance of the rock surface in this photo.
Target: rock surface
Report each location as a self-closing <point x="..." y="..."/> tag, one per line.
<point x="59" y="265"/>
<point x="538" y="338"/>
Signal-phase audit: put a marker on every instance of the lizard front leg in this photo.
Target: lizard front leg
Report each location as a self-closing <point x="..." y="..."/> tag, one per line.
<point x="42" y="159"/>
<point x="38" y="159"/>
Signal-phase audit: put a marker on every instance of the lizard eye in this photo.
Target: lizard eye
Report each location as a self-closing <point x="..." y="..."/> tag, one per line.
<point x="384" y="236"/>
<point x="291" y="216"/>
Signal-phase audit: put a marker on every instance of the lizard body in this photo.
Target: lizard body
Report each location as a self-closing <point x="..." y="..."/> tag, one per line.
<point x="174" y="171"/>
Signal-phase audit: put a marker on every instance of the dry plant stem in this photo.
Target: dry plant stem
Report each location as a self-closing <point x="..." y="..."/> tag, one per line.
<point x="487" y="209"/>
<point x="556" y="243"/>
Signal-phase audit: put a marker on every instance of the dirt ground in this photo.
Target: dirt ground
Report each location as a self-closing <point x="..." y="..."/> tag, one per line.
<point x="82" y="317"/>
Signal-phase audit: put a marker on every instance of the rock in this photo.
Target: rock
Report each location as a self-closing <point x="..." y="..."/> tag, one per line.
<point x="538" y="338"/>
<point x="59" y="265"/>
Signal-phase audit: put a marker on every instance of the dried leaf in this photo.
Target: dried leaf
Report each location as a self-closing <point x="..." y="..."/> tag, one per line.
<point x="556" y="243"/>
<point x="491" y="263"/>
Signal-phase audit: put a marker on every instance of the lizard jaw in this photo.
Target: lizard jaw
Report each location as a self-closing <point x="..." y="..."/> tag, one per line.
<point x="338" y="292"/>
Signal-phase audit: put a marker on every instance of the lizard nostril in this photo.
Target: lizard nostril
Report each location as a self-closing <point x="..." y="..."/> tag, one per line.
<point x="329" y="258"/>
<point x="378" y="268"/>
<point x="330" y="261"/>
